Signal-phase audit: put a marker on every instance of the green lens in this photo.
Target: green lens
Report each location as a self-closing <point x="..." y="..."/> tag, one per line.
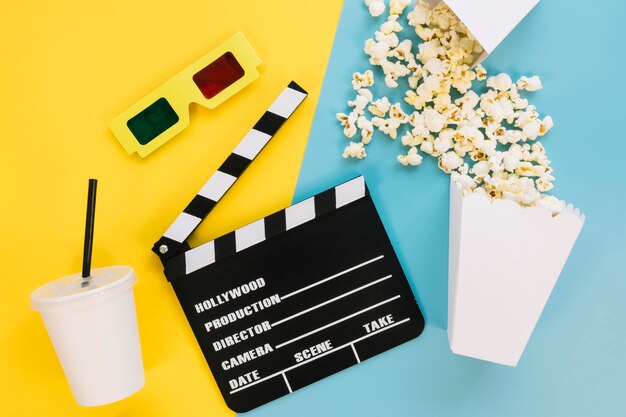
<point x="152" y="121"/>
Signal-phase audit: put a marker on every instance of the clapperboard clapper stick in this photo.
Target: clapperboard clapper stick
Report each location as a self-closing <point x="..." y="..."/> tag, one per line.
<point x="293" y="297"/>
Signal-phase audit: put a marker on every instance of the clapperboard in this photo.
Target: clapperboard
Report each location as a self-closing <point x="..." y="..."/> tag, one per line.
<point x="293" y="297"/>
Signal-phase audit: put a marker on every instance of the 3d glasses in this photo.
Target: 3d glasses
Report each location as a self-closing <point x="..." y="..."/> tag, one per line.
<point x="211" y="80"/>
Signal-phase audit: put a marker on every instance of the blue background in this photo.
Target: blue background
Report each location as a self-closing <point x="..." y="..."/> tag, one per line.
<point x="575" y="362"/>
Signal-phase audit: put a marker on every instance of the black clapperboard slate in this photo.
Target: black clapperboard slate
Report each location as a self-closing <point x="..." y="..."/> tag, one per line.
<point x="296" y="296"/>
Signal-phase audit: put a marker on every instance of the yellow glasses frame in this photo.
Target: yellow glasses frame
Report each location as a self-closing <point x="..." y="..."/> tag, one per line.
<point x="181" y="90"/>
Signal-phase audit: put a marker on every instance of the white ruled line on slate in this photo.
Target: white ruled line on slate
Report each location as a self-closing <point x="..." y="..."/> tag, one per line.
<point x="283" y="297"/>
<point x="337" y="322"/>
<point x="356" y="355"/>
<point x="331" y="300"/>
<point x="328" y="352"/>
<point x="287" y="383"/>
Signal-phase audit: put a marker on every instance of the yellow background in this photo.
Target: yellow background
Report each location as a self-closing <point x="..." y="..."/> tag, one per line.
<point x="66" y="69"/>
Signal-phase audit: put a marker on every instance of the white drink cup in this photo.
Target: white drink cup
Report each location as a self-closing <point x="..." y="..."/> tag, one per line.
<point x="93" y="327"/>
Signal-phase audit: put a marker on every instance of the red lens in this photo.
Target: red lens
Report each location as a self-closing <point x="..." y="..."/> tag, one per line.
<point x="218" y="75"/>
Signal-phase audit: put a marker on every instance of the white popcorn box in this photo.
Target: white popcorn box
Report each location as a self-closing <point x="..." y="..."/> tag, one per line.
<point x="489" y="21"/>
<point x="504" y="260"/>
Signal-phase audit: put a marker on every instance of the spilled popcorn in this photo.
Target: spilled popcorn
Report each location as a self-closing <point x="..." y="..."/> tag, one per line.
<point x="488" y="143"/>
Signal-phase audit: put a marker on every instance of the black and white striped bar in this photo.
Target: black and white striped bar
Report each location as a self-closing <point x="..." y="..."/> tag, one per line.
<point x="265" y="228"/>
<point x="173" y="240"/>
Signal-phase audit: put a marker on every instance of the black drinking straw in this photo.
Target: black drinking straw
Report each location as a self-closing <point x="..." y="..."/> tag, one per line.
<point x="88" y="246"/>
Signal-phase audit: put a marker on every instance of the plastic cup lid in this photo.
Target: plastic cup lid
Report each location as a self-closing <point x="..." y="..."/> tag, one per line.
<point x="74" y="287"/>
